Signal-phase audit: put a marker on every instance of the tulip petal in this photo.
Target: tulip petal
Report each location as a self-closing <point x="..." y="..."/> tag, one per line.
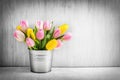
<point x="29" y="31"/>
<point x="56" y="33"/>
<point x="67" y="36"/>
<point x="47" y="25"/>
<point x="18" y="27"/>
<point x="39" y="24"/>
<point x="63" y="28"/>
<point x="33" y="36"/>
<point x="30" y="42"/>
<point x="24" y="25"/>
<point x="40" y="34"/>
<point x="51" y="44"/>
<point x="18" y="35"/>
<point x="59" y="43"/>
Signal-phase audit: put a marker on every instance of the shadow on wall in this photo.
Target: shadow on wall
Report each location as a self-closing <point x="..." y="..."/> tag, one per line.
<point x="94" y="25"/>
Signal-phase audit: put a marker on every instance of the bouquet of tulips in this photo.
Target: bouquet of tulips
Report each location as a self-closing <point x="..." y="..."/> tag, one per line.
<point x="44" y="36"/>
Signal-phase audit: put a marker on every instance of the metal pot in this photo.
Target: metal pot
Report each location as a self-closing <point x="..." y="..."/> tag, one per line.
<point x="40" y="60"/>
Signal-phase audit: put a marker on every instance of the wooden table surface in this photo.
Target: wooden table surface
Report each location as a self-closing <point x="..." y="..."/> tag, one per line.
<point x="24" y="73"/>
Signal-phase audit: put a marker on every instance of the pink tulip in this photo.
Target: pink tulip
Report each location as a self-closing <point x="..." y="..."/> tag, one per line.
<point x="18" y="35"/>
<point x="30" y="42"/>
<point x="67" y="36"/>
<point x="24" y="25"/>
<point x="59" y="43"/>
<point x="40" y="34"/>
<point x="46" y="25"/>
<point x="39" y="24"/>
<point x="56" y="33"/>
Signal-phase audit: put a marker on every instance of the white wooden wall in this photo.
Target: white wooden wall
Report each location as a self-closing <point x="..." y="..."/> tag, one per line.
<point x="95" y="25"/>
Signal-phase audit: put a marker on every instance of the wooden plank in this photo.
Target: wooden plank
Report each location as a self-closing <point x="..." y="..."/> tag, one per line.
<point x="23" y="73"/>
<point x="93" y="23"/>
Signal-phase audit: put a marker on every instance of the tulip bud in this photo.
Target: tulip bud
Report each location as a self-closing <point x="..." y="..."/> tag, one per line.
<point x="39" y="24"/>
<point x="51" y="44"/>
<point x="40" y="34"/>
<point x="63" y="28"/>
<point x="56" y="33"/>
<point x="19" y="35"/>
<point x="33" y="36"/>
<point x="24" y="25"/>
<point x="59" y="43"/>
<point x="18" y="27"/>
<point x="30" y="33"/>
<point x="46" y="25"/>
<point x="30" y="42"/>
<point x="67" y="36"/>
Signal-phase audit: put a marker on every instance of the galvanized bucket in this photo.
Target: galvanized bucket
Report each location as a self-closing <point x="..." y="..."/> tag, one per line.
<point x="40" y="60"/>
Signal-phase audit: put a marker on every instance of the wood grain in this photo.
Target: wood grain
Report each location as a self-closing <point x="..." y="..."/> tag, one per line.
<point x="95" y="25"/>
<point x="23" y="73"/>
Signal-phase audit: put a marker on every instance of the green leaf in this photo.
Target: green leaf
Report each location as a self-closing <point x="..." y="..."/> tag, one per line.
<point x="44" y="42"/>
<point x="37" y="41"/>
<point x="52" y="31"/>
<point x="35" y="48"/>
<point x="35" y="30"/>
<point x="48" y="36"/>
<point x="39" y="45"/>
<point x="29" y="48"/>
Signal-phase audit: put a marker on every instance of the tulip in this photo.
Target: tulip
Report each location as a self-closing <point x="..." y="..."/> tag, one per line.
<point x="18" y="27"/>
<point x="46" y="25"/>
<point x="67" y="36"/>
<point x="33" y="36"/>
<point x="39" y="24"/>
<point x="24" y="25"/>
<point x="30" y="33"/>
<point x="56" y="33"/>
<point x="63" y="28"/>
<point x="19" y="35"/>
<point x="59" y="43"/>
<point x="51" y="44"/>
<point x="40" y="34"/>
<point x="30" y="43"/>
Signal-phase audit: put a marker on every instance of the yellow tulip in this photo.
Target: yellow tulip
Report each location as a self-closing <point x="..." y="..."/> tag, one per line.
<point x="51" y="44"/>
<point x="63" y="28"/>
<point x="33" y="36"/>
<point x="23" y="29"/>
<point x="30" y="33"/>
<point x="18" y="27"/>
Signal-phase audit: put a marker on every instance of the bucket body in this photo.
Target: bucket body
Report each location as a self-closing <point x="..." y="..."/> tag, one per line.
<point x="40" y="60"/>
